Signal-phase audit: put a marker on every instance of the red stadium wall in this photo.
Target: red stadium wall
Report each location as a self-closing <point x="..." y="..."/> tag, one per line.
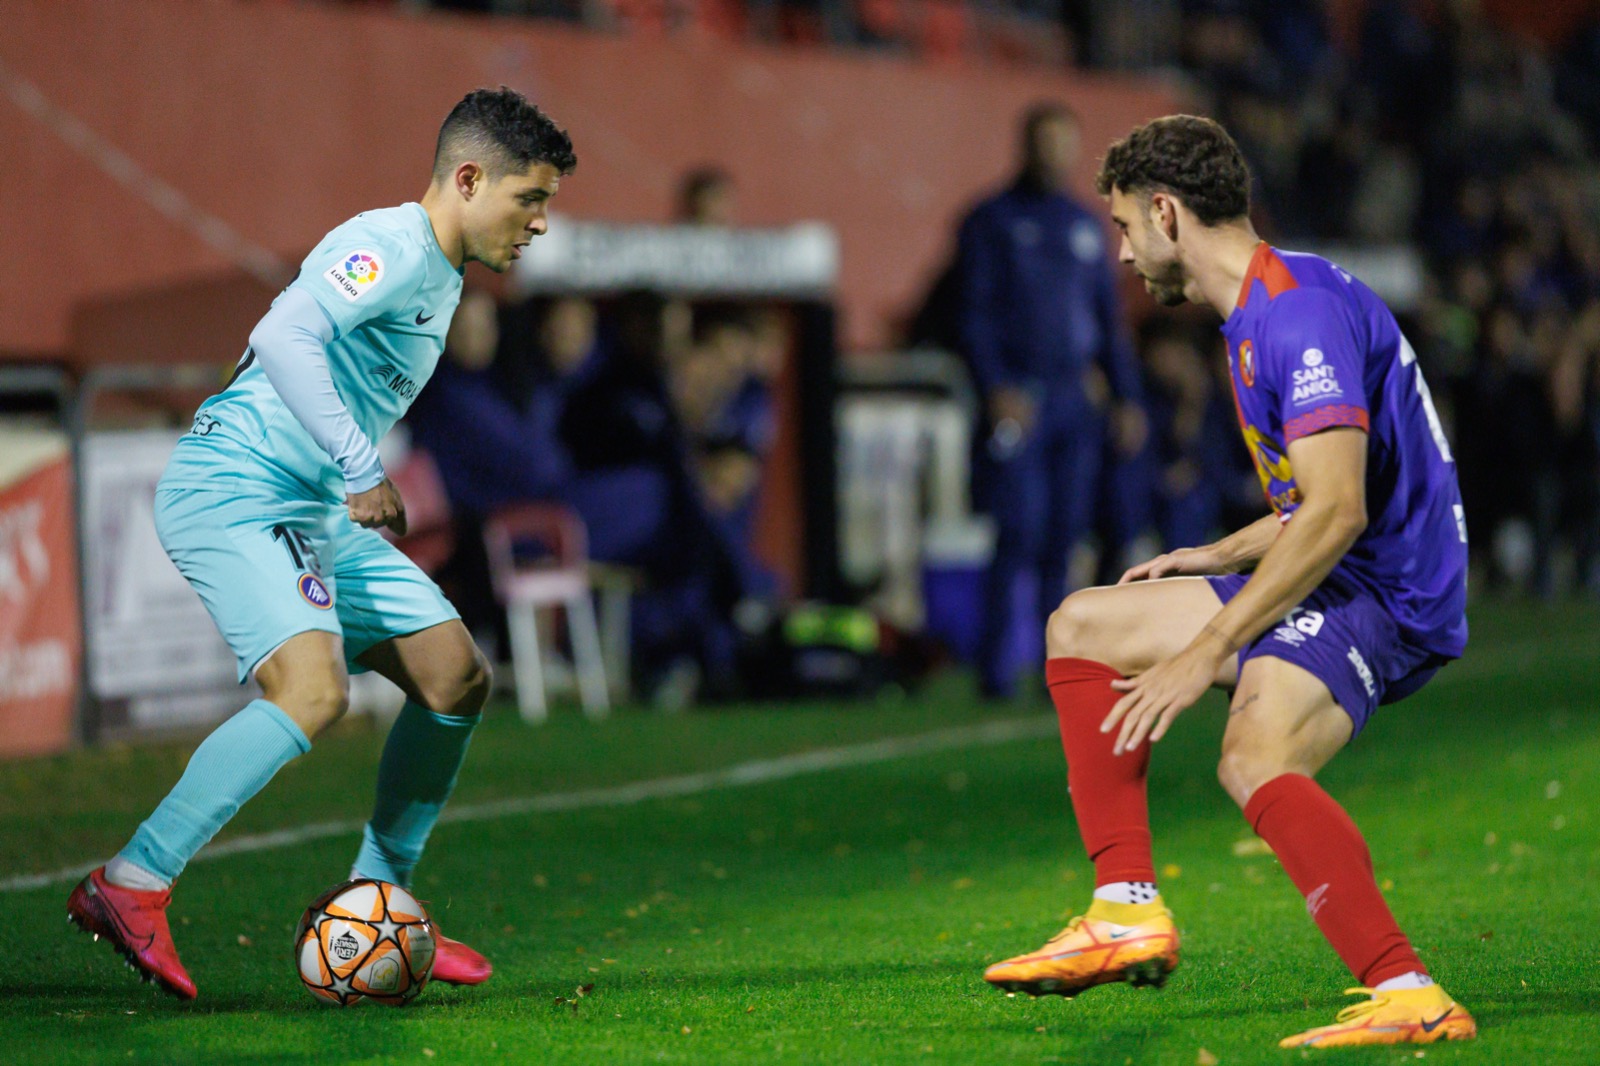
<point x="282" y="120"/>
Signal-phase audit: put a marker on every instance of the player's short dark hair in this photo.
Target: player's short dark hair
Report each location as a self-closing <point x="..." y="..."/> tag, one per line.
<point x="1190" y="157"/>
<point x="503" y="133"/>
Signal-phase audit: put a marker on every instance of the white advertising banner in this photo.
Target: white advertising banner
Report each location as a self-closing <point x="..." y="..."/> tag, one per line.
<point x="151" y="641"/>
<point x="798" y="260"/>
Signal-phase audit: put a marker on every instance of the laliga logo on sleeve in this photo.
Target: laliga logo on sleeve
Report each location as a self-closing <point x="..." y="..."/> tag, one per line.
<point x="1247" y="363"/>
<point x="315" y="592"/>
<point x="356" y="274"/>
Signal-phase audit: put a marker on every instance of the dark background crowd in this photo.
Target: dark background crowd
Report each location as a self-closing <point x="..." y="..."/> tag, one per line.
<point x="1428" y="133"/>
<point x="1477" y="148"/>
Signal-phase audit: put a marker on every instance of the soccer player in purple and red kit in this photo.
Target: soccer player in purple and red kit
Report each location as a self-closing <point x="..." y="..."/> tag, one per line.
<point x="1356" y="596"/>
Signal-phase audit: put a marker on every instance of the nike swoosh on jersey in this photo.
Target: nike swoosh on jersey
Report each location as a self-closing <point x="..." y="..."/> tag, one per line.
<point x="424" y="321"/>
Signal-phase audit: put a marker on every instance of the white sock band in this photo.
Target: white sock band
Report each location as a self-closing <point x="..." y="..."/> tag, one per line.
<point x="125" y="874"/>
<point x="1411" y="979"/>
<point x="1127" y="892"/>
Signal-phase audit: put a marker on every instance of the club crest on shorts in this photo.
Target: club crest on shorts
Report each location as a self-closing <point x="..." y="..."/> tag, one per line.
<point x="314" y="591"/>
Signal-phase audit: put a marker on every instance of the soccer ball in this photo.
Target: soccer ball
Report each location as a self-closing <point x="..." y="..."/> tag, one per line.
<point x="364" y="940"/>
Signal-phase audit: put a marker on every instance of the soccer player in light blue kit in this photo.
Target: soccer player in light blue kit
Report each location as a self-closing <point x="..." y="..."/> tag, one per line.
<point x="271" y="505"/>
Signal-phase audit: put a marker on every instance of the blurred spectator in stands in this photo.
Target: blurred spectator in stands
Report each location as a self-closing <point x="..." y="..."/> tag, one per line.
<point x="1191" y="434"/>
<point x="1578" y="78"/>
<point x="1569" y="521"/>
<point x="487" y="451"/>
<point x="490" y="448"/>
<point x="1510" y="463"/>
<point x="706" y="197"/>
<point x="638" y="489"/>
<point x="726" y="408"/>
<point x="1042" y="332"/>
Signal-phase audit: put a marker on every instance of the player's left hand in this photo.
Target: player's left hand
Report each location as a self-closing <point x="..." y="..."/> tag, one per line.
<point x="379" y="506"/>
<point x="1157" y="696"/>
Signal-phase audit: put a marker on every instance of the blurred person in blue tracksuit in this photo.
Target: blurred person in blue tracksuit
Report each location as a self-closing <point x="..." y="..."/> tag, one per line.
<point x="1042" y="331"/>
<point x="492" y="415"/>
<point x="577" y="411"/>
<point x="722" y="392"/>
<point x="1190" y="454"/>
<point x="489" y="450"/>
<point x="639" y="486"/>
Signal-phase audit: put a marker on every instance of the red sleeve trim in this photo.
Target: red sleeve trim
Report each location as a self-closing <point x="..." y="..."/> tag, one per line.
<point x="1339" y="414"/>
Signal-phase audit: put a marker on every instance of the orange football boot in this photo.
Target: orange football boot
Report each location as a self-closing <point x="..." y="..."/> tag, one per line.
<point x="1403" y="1016"/>
<point x="1133" y="942"/>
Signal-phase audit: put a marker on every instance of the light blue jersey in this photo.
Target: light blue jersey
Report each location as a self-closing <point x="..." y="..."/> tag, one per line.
<point x="389" y="292"/>
<point x="252" y="510"/>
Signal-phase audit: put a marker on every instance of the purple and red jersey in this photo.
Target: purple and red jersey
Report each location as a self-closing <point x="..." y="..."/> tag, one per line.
<point x="1311" y="348"/>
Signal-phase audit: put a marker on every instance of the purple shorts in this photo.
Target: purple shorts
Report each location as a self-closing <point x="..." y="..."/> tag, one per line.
<point x="1348" y="641"/>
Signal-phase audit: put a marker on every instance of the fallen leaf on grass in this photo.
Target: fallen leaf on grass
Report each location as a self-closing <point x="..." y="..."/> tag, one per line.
<point x="577" y="995"/>
<point x="1205" y="1058"/>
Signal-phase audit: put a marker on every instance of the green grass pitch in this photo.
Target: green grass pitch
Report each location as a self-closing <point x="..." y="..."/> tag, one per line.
<point x="844" y="915"/>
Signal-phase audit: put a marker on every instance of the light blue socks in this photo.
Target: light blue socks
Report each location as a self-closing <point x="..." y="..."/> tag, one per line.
<point x="231" y="765"/>
<point x="415" y="778"/>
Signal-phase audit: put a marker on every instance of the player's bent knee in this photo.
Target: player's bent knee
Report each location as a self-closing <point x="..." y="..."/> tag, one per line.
<point x="1070" y="630"/>
<point x="461" y="688"/>
<point x="478" y="685"/>
<point x="1244" y="768"/>
<point x="313" y="703"/>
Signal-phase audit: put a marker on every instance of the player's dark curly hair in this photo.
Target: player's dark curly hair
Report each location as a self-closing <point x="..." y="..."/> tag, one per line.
<point x="1192" y="158"/>
<point x="501" y="131"/>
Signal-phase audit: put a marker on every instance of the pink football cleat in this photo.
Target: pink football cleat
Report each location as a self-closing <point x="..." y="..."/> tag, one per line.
<point x="136" y="925"/>
<point x="456" y="964"/>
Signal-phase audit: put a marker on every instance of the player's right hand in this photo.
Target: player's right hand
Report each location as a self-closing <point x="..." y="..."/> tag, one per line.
<point x="1184" y="561"/>
<point x="379" y="506"/>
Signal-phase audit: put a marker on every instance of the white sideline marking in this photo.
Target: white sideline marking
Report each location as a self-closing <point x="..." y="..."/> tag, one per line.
<point x="757" y="772"/>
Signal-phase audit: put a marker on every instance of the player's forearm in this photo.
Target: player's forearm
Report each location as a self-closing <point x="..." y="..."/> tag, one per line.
<point x="290" y="343"/>
<point x="1245" y="548"/>
<point x="1300" y="556"/>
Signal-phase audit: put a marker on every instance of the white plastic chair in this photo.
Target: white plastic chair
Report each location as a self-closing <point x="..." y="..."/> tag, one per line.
<point x="557" y="579"/>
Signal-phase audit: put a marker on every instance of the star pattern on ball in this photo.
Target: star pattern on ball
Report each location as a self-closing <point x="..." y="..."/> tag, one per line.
<point x="388" y="929"/>
<point x="350" y="948"/>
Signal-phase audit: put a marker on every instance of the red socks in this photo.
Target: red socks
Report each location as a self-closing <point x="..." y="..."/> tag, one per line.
<point x="1325" y="856"/>
<point x="1320" y="848"/>
<point x="1108" y="791"/>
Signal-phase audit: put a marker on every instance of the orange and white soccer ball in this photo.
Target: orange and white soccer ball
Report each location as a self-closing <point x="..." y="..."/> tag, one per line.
<point x="365" y="940"/>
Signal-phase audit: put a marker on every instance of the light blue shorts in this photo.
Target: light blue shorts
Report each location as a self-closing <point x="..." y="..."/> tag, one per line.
<point x="269" y="568"/>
